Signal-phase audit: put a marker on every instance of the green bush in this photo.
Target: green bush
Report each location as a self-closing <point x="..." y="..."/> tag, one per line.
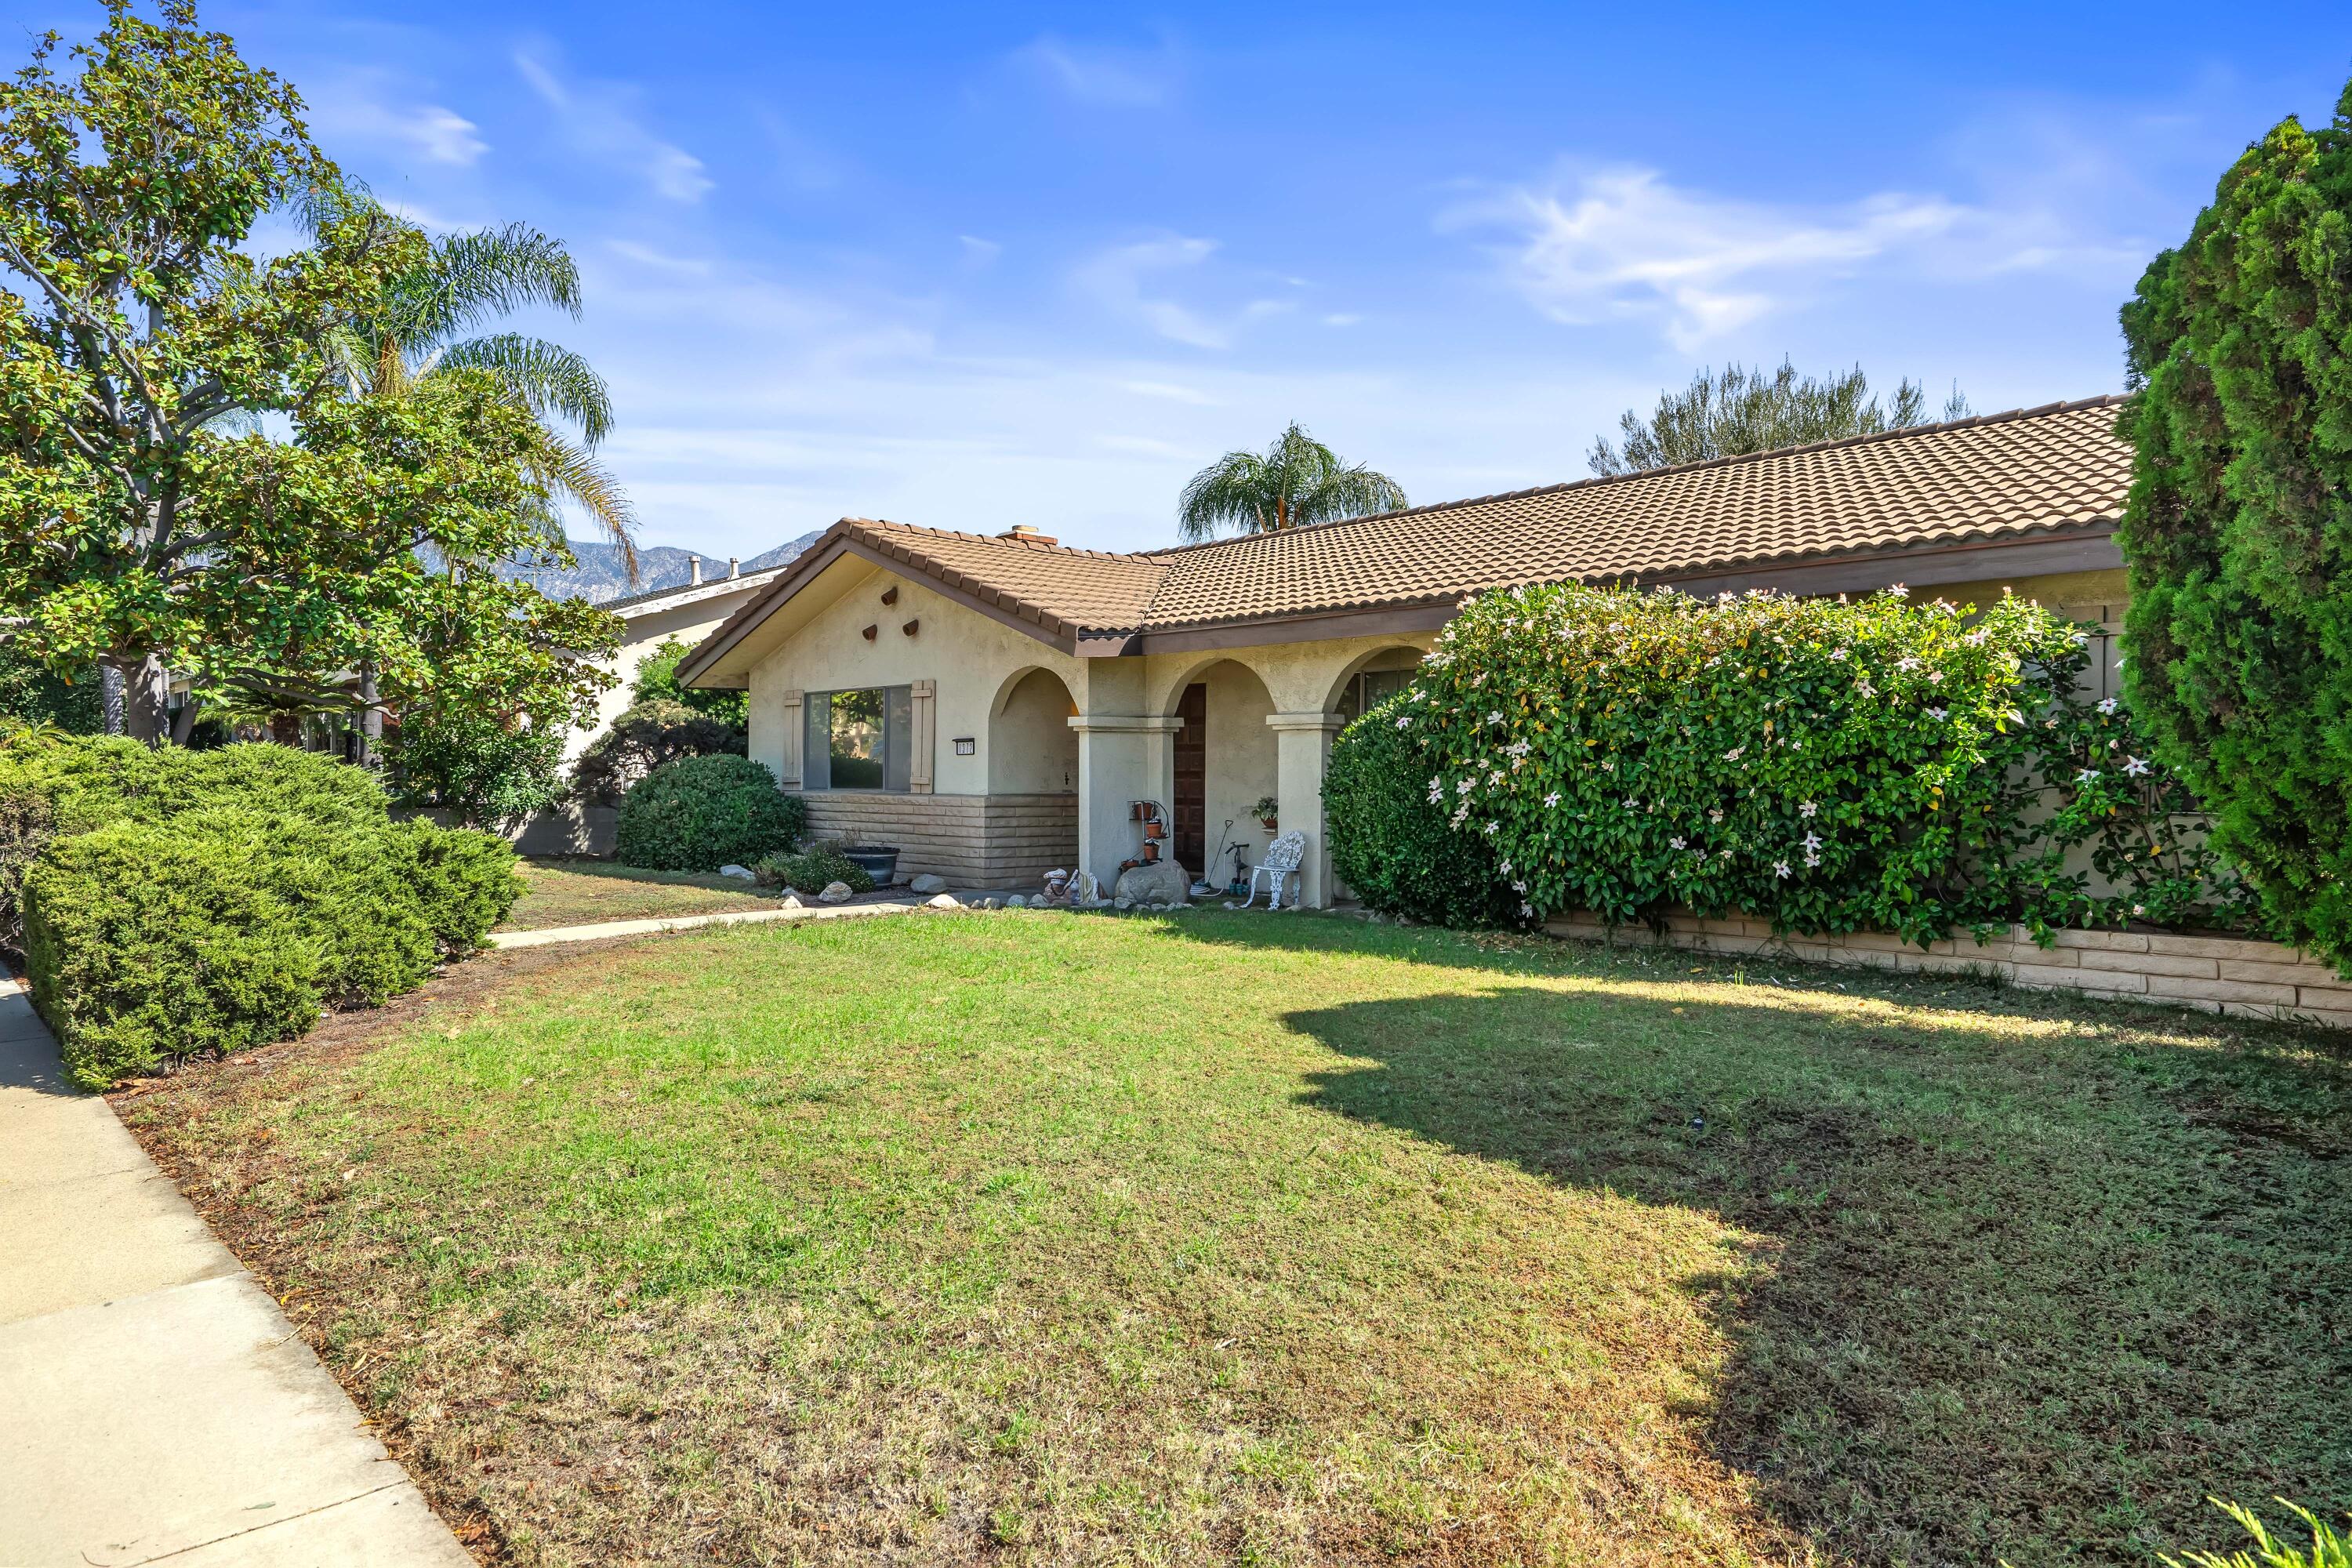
<point x="1391" y="845"/>
<point x="2237" y="535"/>
<point x="143" y="944"/>
<point x="1831" y="766"/>
<point x="701" y="813"/>
<point x="178" y="903"/>
<point x="649" y="735"/>
<point x="811" y="870"/>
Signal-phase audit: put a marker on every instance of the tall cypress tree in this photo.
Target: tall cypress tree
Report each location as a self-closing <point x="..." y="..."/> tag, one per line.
<point x="2238" y="535"/>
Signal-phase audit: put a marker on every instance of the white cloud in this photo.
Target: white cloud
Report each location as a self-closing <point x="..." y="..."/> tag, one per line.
<point x="1624" y="241"/>
<point x="658" y="260"/>
<point x="977" y="251"/>
<point x="600" y="120"/>
<point x="1129" y="280"/>
<point x="369" y="106"/>
<point x="1103" y="76"/>
<point x="1341" y="319"/>
<point x="1169" y="390"/>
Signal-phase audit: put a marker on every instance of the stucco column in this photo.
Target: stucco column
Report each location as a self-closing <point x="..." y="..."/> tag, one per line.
<point x="1122" y="758"/>
<point x="1302" y="746"/>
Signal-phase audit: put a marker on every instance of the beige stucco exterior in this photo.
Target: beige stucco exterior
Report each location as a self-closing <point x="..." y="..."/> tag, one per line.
<point x="1029" y="755"/>
<point x="687" y="614"/>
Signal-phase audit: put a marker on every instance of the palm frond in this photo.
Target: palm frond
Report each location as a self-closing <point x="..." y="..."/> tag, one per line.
<point x="1356" y="491"/>
<point x="1297" y="480"/>
<point x="1233" y="489"/>
<point x="479" y="276"/>
<point x="547" y="377"/>
<point x="572" y="472"/>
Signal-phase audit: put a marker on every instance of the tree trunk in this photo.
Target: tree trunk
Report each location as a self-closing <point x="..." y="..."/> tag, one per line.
<point x="370" y="718"/>
<point x="110" y="688"/>
<point x="286" y="730"/>
<point x="146" y="699"/>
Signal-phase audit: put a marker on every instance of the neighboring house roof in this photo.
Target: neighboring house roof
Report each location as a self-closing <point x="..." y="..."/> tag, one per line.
<point x="2057" y="472"/>
<point x="678" y="593"/>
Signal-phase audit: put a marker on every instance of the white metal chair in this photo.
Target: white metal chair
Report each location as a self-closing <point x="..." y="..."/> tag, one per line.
<point x="1281" y="861"/>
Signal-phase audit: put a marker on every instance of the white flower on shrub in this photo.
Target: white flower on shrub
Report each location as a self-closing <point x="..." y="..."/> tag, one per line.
<point x="1527" y="910"/>
<point x="1495" y="716"/>
<point x="1938" y="714"/>
<point x="1934" y="677"/>
<point x="1863" y="688"/>
<point x="1714" y="813"/>
<point x="1805" y="809"/>
<point x="2135" y="766"/>
<point x="1633" y="805"/>
<point x="1459" y="813"/>
<point x="1897" y="591"/>
<point x="1608" y="764"/>
<point x="1906" y="662"/>
<point x="1551" y="799"/>
<point x="1779" y="868"/>
<point x="1813" y="859"/>
<point x="1493" y="829"/>
<point x="1465" y="787"/>
<point x="1733" y="756"/>
<point x="1677" y="843"/>
<point x="2088" y="775"/>
<point x="1405" y="722"/>
<point x="2107" y="704"/>
<point x="1837" y="656"/>
<point x="1494" y="778"/>
<point x="1519" y="888"/>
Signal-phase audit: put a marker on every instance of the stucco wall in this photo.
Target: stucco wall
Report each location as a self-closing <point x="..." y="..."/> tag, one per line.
<point x="973" y="658"/>
<point x="1032" y="750"/>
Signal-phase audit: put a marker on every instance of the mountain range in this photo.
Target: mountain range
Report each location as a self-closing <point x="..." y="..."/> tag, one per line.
<point x="600" y="577"/>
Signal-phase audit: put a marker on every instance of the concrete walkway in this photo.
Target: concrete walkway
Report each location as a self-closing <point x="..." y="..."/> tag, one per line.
<point x="599" y="932"/>
<point x="155" y="1405"/>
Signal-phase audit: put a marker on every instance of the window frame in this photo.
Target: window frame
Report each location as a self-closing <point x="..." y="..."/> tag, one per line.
<point x="895" y="703"/>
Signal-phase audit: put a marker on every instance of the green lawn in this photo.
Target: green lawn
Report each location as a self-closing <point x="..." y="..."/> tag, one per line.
<point x="1213" y="1237"/>
<point x="566" y="893"/>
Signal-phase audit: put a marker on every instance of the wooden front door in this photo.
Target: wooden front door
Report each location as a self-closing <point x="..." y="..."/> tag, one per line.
<point x="1192" y="802"/>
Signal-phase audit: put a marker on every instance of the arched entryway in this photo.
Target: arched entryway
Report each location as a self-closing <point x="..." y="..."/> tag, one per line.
<point x="1031" y="809"/>
<point x="1370" y="680"/>
<point x="1225" y="763"/>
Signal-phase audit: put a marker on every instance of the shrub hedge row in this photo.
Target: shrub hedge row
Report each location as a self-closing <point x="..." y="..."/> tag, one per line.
<point x="170" y="903"/>
<point x="1833" y="766"/>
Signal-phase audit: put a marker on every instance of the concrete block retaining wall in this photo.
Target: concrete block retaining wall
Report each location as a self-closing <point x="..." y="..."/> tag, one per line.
<point x="2216" y="975"/>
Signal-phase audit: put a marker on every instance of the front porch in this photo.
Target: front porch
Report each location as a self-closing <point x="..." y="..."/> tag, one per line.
<point x="1208" y="735"/>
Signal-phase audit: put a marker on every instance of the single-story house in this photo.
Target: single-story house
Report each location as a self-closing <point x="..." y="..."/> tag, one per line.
<point x="995" y="705"/>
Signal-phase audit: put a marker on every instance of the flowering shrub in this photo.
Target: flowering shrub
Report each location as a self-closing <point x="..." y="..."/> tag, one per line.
<point x="1833" y="766"/>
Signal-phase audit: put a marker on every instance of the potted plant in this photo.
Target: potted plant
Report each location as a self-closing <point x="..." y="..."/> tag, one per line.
<point x="1265" y="813"/>
<point x="879" y="861"/>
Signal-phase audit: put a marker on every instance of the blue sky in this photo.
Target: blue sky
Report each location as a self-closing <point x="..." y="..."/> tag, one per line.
<point x="968" y="266"/>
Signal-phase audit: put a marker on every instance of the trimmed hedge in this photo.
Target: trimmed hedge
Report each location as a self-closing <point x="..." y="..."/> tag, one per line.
<point x="177" y="904"/>
<point x="1831" y="766"/>
<point x="1391" y="845"/>
<point x="698" y="814"/>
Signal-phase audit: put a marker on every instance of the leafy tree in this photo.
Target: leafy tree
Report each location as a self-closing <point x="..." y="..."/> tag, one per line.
<point x="1755" y="410"/>
<point x="146" y="520"/>
<point x="2238" y="533"/>
<point x="425" y="323"/>
<point x="657" y="682"/>
<point x="1294" y="482"/>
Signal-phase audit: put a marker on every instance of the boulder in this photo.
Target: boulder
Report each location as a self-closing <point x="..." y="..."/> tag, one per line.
<point x="927" y="883"/>
<point x="740" y="873"/>
<point x="1123" y="903"/>
<point x="791" y="900"/>
<point x="835" y="893"/>
<point x="1018" y="901"/>
<point x="992" y="903"/>
<point x="1162" y="882"/>
<point x="943" y="901"/>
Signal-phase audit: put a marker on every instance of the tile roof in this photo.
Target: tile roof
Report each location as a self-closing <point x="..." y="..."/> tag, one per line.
<point x="2001" y="475"/>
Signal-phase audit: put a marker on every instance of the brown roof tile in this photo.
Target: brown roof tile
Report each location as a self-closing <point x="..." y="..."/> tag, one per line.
<point x="2000" y="476"/>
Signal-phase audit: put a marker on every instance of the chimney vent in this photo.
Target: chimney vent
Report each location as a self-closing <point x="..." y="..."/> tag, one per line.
<point x="1023" y="531"/>
<point x="693" y="571"/>
<point x="734" y="567"/>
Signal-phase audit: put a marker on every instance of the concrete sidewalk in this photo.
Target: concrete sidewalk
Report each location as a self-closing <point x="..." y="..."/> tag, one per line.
<point x="651" y="924"/>
<point x="155" y="1407"/>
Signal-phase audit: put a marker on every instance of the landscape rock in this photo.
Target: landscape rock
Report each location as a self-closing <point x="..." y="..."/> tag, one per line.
<point x="927" y="883"/>
<point x="992" y="903"/>
<point x="943" y="901"/>
<point x="1124" y="903"/>
<point x="1018" y="901"/>
<point x="1162" y="882"/>
<point x="791" y="902"/>
<point x="740" y="873"/>
<point x="835" y="893"/>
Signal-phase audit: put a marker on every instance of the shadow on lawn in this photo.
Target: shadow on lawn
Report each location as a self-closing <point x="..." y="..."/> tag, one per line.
<point x="2035" y="1294"/>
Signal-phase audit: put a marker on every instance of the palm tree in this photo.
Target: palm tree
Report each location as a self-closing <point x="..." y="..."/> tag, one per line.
<point x="1294" y="482"/>
<point x="427" y="321"/>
